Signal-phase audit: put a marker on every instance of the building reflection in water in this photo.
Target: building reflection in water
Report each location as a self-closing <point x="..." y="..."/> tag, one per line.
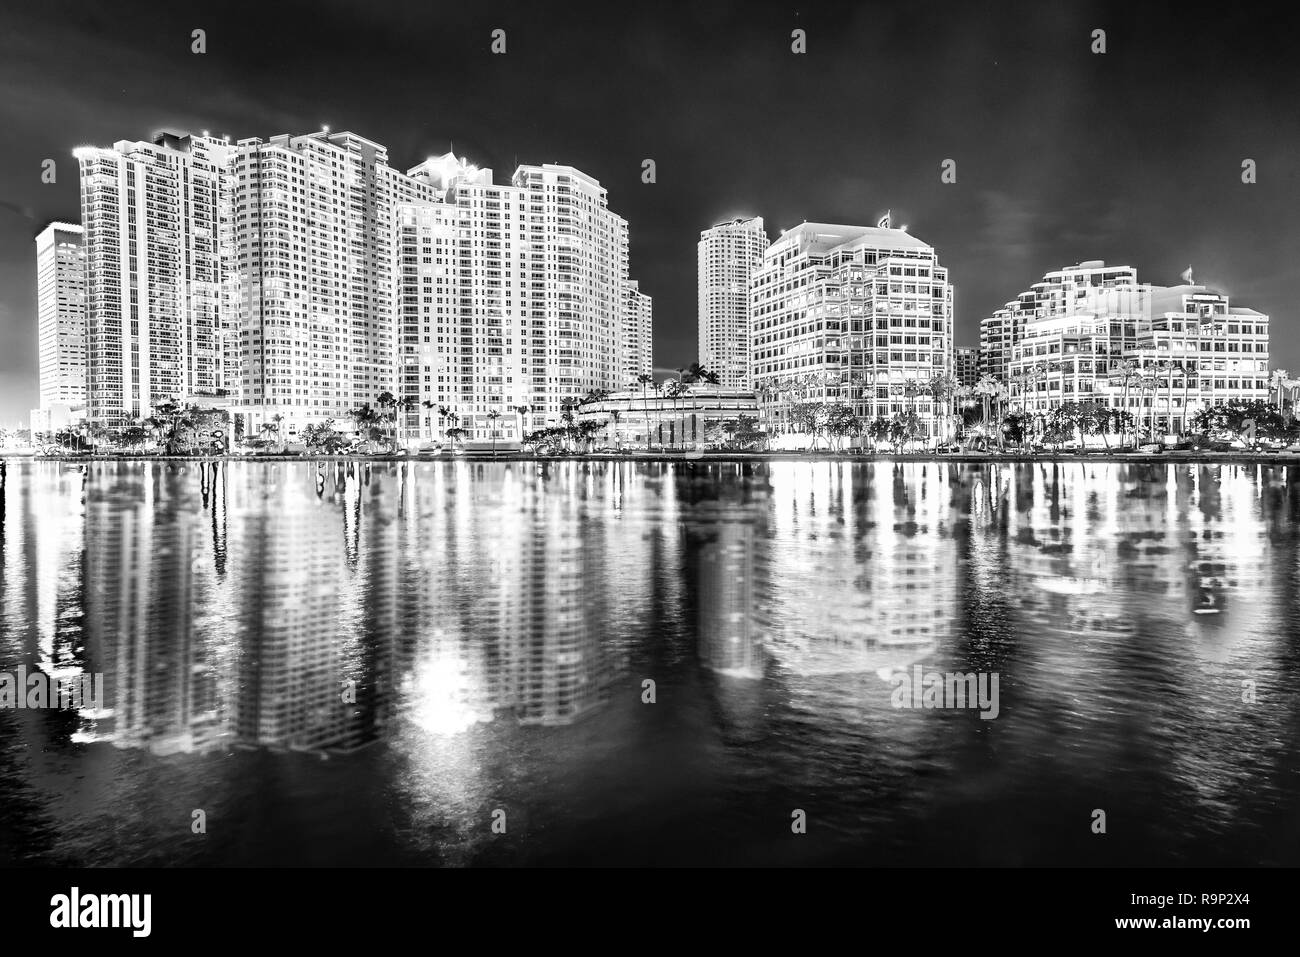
<point x="321" y="607"/>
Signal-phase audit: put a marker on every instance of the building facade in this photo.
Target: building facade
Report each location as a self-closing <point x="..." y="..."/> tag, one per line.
<point x="512" y="299"/>
<point x="61" y="315"/>
<point x="313" y="302"/>
<point x="638" y="334"/>
<point x="298" y="279"/>
<point x="691" y="419"/>
<point x="156" y="217"/>
<point x="728" y="254"/>
<point x="855" y="314"/>
<point x="1160" y="353"/>
<point x="966" y="366"/>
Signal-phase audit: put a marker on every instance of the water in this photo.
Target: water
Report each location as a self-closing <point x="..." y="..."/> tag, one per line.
<point x="361" y="664"/>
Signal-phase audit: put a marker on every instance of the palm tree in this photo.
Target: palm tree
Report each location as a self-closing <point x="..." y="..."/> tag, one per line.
<point x="645" y="379"/>
<point x="674" y="391"/>
<point x="278" y="419"/>
<point x="1130" y="370"/>
<point x="1145" y="384"/>
<point x="1166" y="370"/>
<point x="403" y="405"/>
<point x="940" y="387"/>
<point x="445" y="415"/>
<point x="388" y="406"/>
<point x="492" y="417"/>
<point x="524" y="411"/>
<point x="986" y="388"/>
<point x="429" y="406"/>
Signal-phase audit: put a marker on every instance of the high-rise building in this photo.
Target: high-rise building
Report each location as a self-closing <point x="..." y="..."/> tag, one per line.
<point x="966" y="365"/>
<point x="512" y="298"/>
<point x="463" y="334"/>
<point x="313" y="331"/>
<point x="1161" y="353"/>
<point x="577" y="263"/>
<point x="300" y="278"/>
<point x="728" y="255"/>
<point x="61" y="314"/>
<point x="858" y="314"/>
<point x="156" y="218"/>
<point x="638" y="334"/>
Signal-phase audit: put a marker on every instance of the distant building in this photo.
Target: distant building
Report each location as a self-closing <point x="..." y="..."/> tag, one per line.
<point x="54" y="417"/>
<point x="851" y="313"/>
<point x="966" y="365"/>
<point x="638" y="333"/>
<point x="61" y="314"/>
<point x="728" y="255"/>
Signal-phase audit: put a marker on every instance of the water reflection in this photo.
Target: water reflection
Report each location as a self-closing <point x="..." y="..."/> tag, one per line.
<point x="430" y="608"/>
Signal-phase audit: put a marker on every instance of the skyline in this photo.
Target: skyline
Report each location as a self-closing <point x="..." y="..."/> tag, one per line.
<point x="1021" y="204"/>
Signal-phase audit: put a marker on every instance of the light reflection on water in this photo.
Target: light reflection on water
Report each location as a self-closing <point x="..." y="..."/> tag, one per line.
<point x="359" y="663"/>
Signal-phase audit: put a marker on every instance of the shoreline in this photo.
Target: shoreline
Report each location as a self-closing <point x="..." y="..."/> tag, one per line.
<point x="1179" y="457"/>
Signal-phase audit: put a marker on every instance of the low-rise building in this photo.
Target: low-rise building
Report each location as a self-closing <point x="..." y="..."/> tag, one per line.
<point x="693" y="419"/>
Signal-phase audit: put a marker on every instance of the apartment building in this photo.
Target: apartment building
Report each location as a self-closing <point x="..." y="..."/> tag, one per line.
<point x="728" y="254"/>
<point x="156" y="221"/>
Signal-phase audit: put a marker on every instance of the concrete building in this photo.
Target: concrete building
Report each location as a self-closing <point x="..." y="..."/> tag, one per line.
<point x="299" y="278"/>
<point x="638" y="333"/>
<point x="692" y="419"/>
<point x="728" y="255"/>
<point x="855" y="314"/>
<point x="156" y="217"/>
<point x="464" y="335"/>
<point x="313" y="309"/>
<point x="1161" y="353"/>
<point x="513" y="298"/>
<point x="966" y="365"/>
<point x="1056" y="293"/>
<point x="61" y="314"/>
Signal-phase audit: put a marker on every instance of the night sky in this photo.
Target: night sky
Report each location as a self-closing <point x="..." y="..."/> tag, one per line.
<point x="1132" y="156"/>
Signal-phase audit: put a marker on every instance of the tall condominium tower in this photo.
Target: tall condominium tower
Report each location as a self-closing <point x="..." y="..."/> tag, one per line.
<point x="464" y="338"/>
<point x="728" y="255"/>
<point x="638" y="334"/>
<point x="512" y="298"/>
<point x="61" y="314"/>
<point x="313" y="332"/>
<point x="576" y="262"/>
<point x="299" y="278"/>
<point x="156" y="218"/>
<point x="858" y="314"/>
